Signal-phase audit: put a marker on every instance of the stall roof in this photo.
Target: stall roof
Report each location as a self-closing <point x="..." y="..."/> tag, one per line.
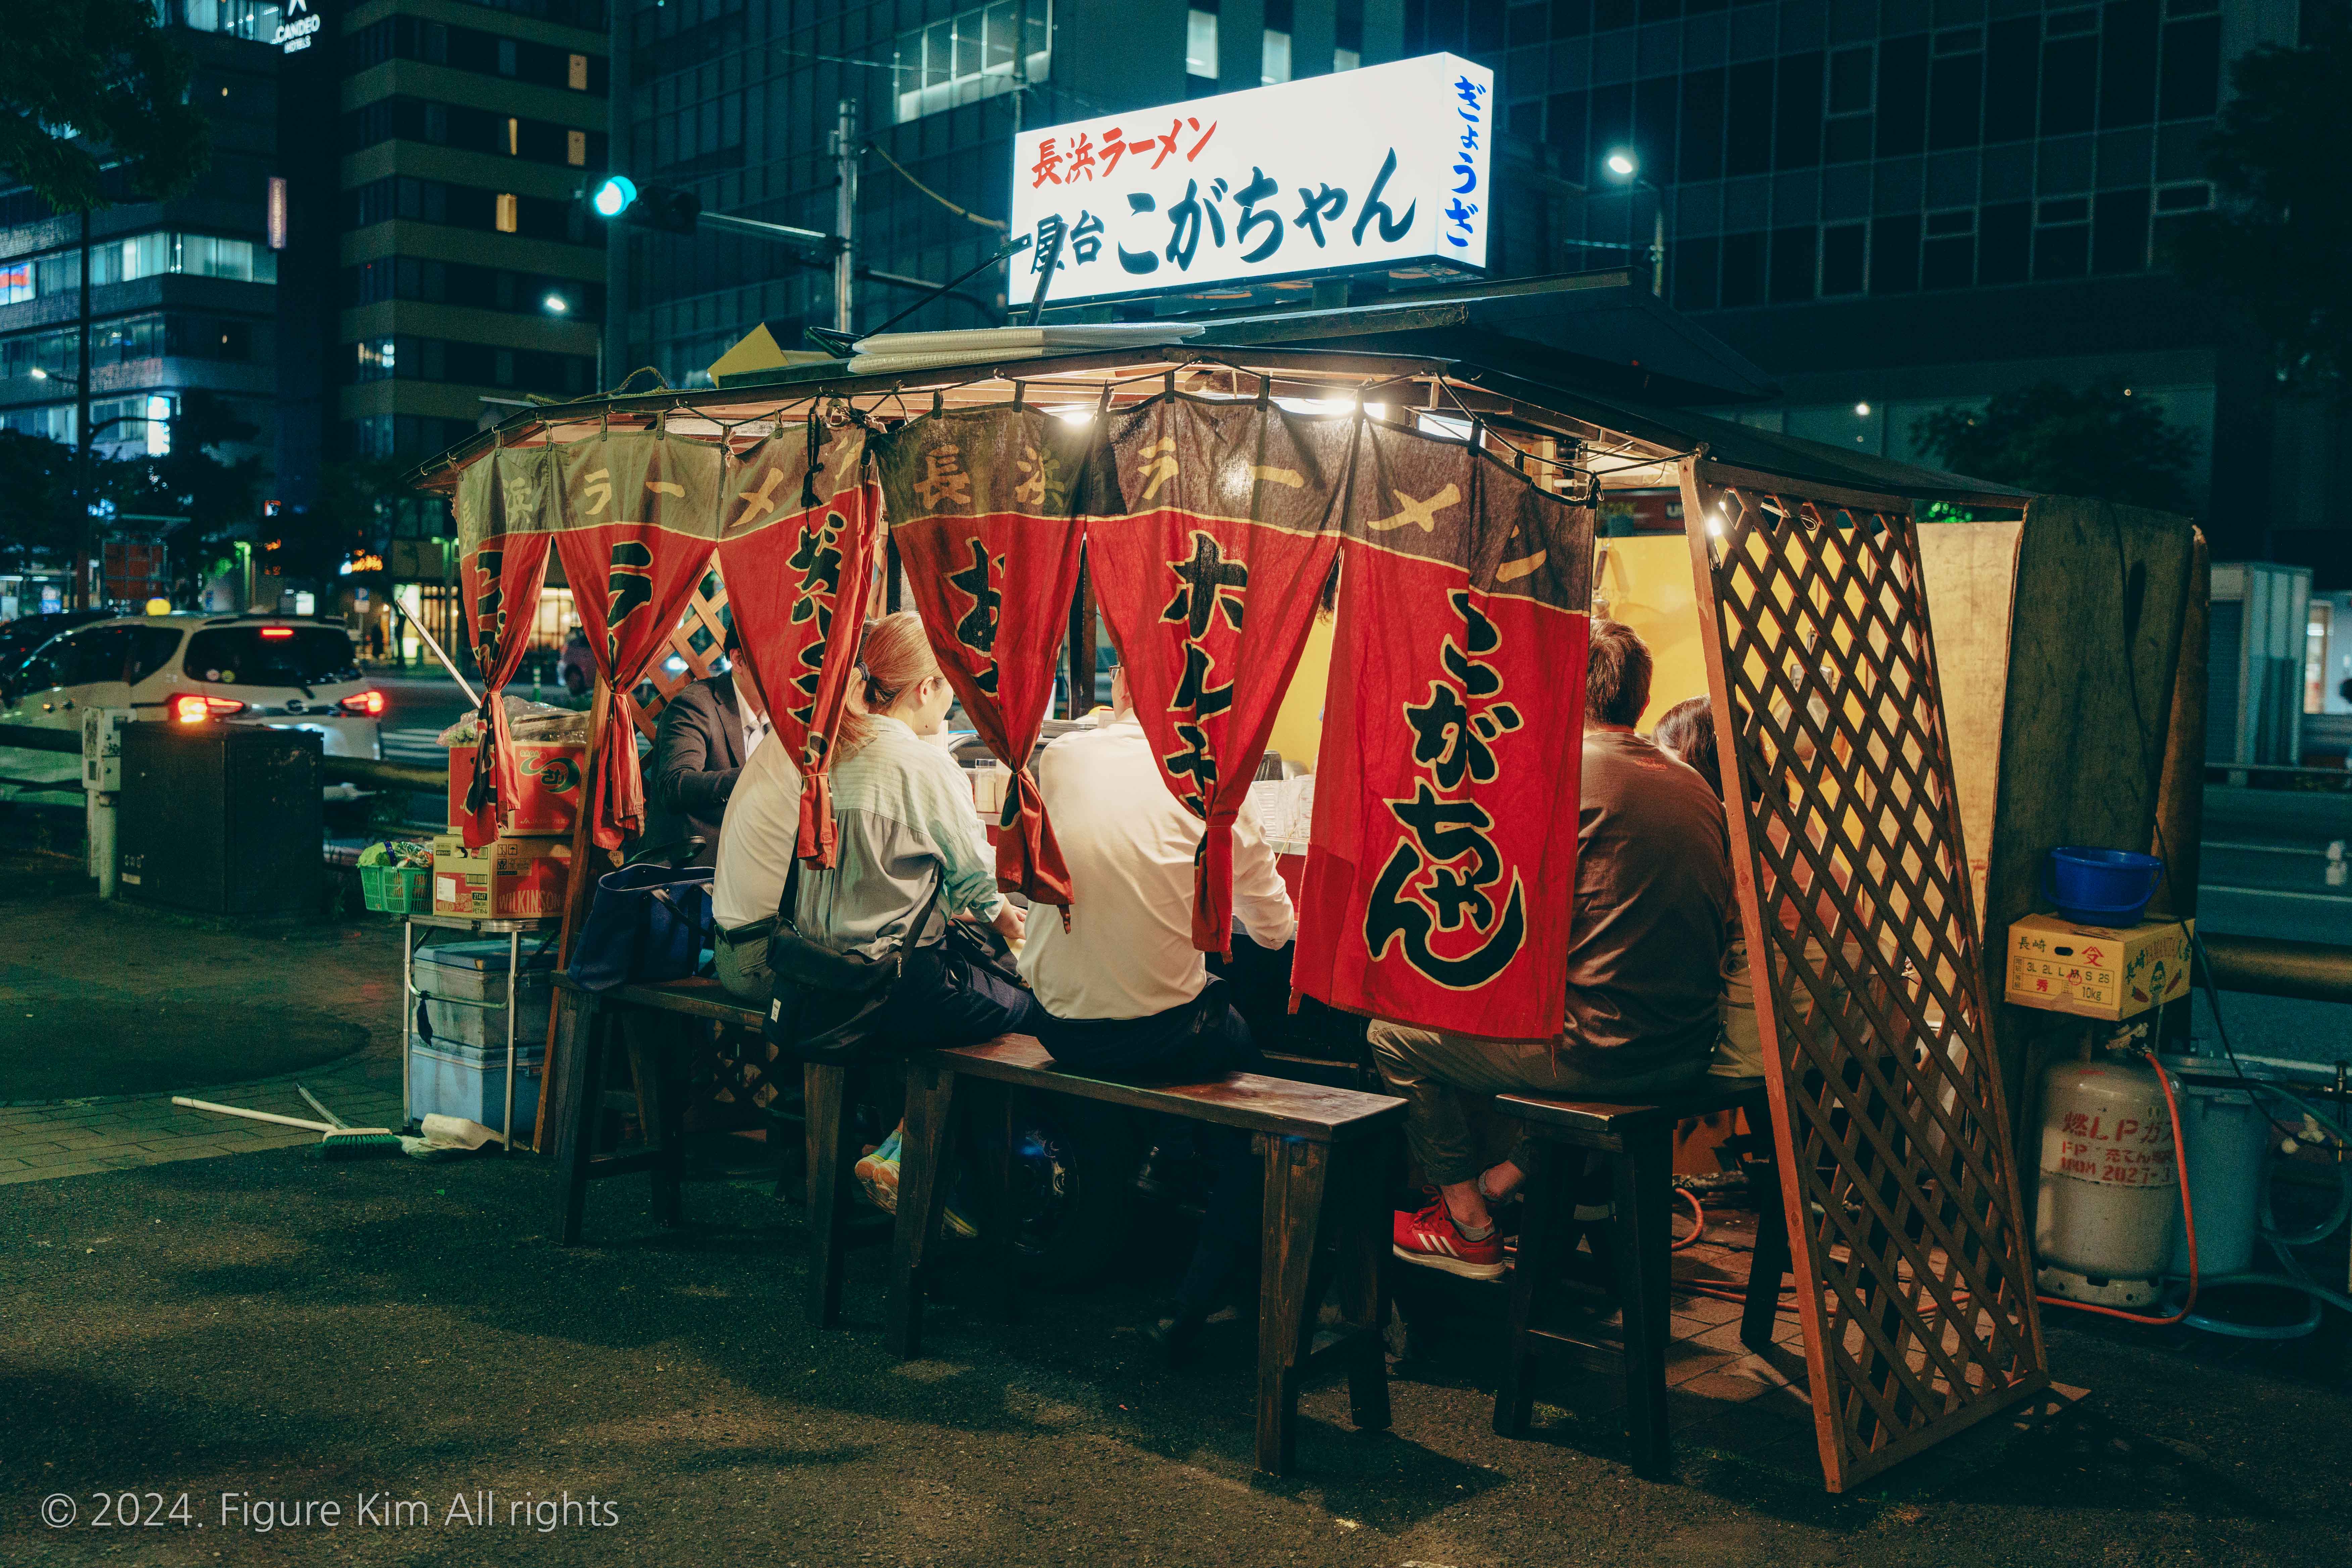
<point x="1590" y="357"/>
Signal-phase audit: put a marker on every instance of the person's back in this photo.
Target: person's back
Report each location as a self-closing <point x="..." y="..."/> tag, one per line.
<point x="1129" y="845"/>
<point x="905" y="819"/>
<point x="1653" y="893"/>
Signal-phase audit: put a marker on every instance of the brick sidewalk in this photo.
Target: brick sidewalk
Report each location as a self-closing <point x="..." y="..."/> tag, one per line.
<point x="75" y="1137"/>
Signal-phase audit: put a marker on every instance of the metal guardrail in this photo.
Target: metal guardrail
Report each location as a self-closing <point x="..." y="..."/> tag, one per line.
<point x="361" y="771"/>
<point x="2272" y="966"/>
<point x="2272" y="775"/>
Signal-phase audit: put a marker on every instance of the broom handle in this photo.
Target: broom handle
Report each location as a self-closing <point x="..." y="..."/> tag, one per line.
<point x="252" y="1115"/>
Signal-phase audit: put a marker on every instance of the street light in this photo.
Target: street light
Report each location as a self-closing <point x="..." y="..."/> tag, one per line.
<point x="1623" y="164"/>
<point x="556" y="305"/>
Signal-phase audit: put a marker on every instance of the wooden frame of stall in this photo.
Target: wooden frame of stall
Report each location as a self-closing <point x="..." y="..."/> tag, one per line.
<point x="1899" y="1173"/>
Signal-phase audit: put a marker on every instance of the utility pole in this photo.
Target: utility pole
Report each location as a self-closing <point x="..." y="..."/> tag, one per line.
<point x="845" y="213"/>
<point x="80" y="598"/>
<point x="613" y="331"/>
<point x="1658" y="244"/>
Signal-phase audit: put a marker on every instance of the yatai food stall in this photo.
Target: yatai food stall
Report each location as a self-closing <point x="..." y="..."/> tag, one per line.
<point x="1443" y="455"/>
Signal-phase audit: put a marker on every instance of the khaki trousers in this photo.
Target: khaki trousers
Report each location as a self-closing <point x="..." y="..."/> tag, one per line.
<point x="1440" y="1076"/>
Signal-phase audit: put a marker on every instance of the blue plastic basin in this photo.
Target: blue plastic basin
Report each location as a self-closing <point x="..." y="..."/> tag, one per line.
<point x="2101" y="886"/>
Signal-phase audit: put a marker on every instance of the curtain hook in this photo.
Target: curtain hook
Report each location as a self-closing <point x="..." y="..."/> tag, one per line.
<point x="938" y="403"/>
<point x="1020" y="395"/>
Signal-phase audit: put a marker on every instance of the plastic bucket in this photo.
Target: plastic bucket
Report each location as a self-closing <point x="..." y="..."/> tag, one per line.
<point x="2101" y="886"/>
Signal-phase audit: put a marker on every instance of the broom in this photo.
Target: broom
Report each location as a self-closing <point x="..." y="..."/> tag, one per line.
<point x="339" y="1142"/>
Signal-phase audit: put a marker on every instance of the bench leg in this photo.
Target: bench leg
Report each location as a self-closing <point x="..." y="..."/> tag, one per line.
<point x="1361" y="1225"/>
<point x="1766" y="1266"/>
<point x="922" y="1186"/>
<point x="657" y="1064"/>
<point x="1295" y="1171"/>
<point x="579" y="1096"/>
<point x="826" y="1090"/>
<point x="1642" y="1175"/>
<point x="997" y="1107"/>
<point x="1544" y="1218"/>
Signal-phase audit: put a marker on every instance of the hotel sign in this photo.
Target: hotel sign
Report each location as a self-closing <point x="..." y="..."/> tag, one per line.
<point x="295" y="33"/>
<point x="1385" y="164"/>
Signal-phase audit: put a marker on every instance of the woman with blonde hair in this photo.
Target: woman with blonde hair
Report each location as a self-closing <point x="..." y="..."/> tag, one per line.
<point x="911" y="851"/>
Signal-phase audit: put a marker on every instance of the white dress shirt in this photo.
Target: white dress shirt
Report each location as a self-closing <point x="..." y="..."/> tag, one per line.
<point x="756" y="837"/>
<point x="1130" y="845"/>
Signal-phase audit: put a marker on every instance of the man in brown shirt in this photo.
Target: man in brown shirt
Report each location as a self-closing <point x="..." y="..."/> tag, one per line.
<point x="1653" y="894"/>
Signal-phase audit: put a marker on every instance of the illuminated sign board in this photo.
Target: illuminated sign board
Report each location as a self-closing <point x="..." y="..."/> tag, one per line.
<point x="1360" y="168"/>
<point x="294" y="34"/>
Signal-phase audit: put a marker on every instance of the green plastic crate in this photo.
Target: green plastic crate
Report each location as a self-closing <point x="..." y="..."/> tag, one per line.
<point x="397" y="889"/>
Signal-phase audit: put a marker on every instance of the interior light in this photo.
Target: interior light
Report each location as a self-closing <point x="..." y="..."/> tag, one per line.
<point x="1715" y="524"/>
<point x="1076" y="413"/>
<point x="1862" y="409"/>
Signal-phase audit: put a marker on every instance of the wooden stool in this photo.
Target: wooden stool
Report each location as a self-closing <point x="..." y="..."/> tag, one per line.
<point x="658" y="1044"/>
<point x="1323" y="1182"/>
<point x="1637" y="1142"/>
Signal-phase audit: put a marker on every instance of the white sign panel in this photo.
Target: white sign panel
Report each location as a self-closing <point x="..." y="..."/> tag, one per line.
<point x="1384" y="164"/>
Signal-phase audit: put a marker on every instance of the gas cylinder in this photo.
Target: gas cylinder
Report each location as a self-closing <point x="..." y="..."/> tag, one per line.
<point x="2110" y="1186"/>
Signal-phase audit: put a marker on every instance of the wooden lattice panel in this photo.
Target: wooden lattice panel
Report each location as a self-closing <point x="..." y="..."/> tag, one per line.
<point x="700" y="638"/>
<point x="1915" y="1274"/>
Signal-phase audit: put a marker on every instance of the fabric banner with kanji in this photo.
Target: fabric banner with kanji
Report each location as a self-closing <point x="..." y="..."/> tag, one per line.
<point x="796" y="548"/>
<point x="640" y="517"/>
<point x="987" y="507"/>
<point x="1441" y="875"/>
<point x="504" y="509"/>
<point x="1209" y="585"/>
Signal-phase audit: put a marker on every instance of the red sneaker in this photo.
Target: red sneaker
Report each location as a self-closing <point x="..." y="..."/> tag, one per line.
<point x="1428" y="1237"/>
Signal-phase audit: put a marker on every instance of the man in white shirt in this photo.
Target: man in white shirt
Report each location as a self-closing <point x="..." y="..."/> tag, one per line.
<point x="1123" y="993"/>
<point x="755" y="855"/>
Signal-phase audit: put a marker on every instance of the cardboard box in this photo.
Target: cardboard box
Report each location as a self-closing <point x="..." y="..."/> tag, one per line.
<point x="507" y="879"/>
<point x="551" y="774"/>
<point x="2094" y="972"/>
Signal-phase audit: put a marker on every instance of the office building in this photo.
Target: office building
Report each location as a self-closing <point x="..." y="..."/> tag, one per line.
<point x="464" y="272"/>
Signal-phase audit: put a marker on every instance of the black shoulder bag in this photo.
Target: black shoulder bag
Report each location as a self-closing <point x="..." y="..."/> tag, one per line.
<point x="824" y="1004"/>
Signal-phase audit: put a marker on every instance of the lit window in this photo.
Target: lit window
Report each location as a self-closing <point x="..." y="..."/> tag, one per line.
<point x="575" y="149"/>
<point x="509" y="213"/>
<point x="970" y="56"/>
<point x="514" y="137"/>
<point x="1274" y="58"/>
<point x="1345" y="59"/>
<point x="576" y="78"/>
<point x="1201" y="44"/>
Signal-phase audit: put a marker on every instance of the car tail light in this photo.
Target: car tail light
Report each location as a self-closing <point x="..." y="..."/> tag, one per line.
<point x="274" y="633"/>
<point x="190" y="709"/>
<point x="366" y="705"/>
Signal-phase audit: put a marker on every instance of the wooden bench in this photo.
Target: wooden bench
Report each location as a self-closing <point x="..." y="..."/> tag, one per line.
<point x="1637" y="1142"/>
<point x="589" y="1024"/>
<point x="1324" y="1180"/>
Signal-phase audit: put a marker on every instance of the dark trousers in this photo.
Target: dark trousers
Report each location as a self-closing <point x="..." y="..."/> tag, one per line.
<point x="942" y="1000"/>
<point x="1205" y="1038"/>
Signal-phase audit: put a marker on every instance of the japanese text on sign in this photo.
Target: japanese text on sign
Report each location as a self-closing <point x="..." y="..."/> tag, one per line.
<point x="1384" y="164"/>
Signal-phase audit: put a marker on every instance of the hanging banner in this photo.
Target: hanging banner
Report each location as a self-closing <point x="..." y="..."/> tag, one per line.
<point x="797" y="547"/>
<point x="1209" y="585"/>
<point x="503" y="517"/>
<point x="987" y="507"/>
<point x="640" y="521"/>
<point x="1441" y="875"/>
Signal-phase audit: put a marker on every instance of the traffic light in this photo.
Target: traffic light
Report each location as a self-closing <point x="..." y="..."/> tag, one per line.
<point x="647" y="206"/>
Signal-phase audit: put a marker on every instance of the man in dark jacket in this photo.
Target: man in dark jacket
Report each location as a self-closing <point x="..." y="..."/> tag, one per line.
<point x="705" y="732"/>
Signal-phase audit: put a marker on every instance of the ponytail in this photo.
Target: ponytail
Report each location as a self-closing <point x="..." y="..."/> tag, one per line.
<point x="893" y="656"/>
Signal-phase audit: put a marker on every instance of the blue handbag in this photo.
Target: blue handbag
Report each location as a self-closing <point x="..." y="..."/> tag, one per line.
<point x="648" y="922"/>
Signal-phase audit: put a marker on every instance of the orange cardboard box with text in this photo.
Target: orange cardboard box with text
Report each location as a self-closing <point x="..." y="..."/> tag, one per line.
<point x="2094" y="972"/>
<point x="507" y="879"/>
<point x="550" y="798"/>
